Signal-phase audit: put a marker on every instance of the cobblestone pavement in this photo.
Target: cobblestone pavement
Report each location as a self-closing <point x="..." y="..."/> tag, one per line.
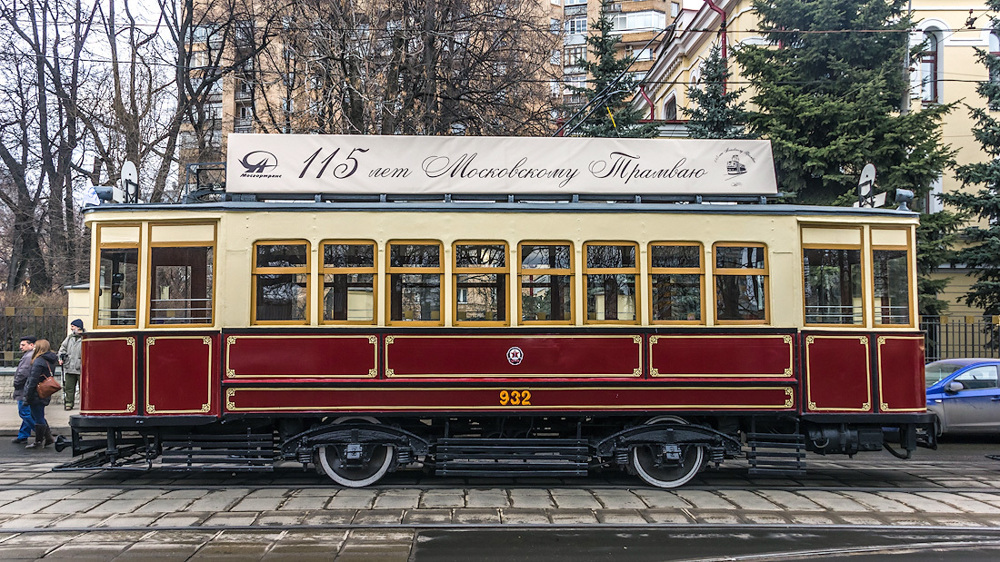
<point x="103" y="516"/>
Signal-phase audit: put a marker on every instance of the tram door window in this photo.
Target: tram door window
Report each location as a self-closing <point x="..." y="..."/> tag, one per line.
<point x="119" y="281"/>
<point x="609" y="278"/>
<point x="832" y="283"/>
<point x="349" y="282"/>
<point x="281" y="282"/>
<point x="892" y="287"/>
<point x="677" y="280"/>
<point x="481" y="283"/>
<point x="181" y="291"/>
<point x="741" y="283"/>
<point x="545" y="276"/>
<point x="415" y="271"/>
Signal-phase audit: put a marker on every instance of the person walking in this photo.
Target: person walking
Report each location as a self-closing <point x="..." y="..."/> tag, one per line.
<point x="27" y="346"/>
<point x="43" y="363"/>
<point x="71" y="359"/>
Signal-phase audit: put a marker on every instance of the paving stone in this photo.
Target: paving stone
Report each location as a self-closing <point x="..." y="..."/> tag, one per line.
<point x="492" y="497"/>
<point x="573" y="516"/>
<point x="130" y="520"/>
<point x="749" y="501"/>
<point x="26" y="505"/>
<point x="72" y="506"/>
<point x="301" y="552"/>
<point x="374" y="553"/>
<point x="161" y="505"/>
<point x="575" y="499"/>
<point x="661" y="499"/>
<point x="114" y="506"/>
<point x="791" y="500"/>
<point x="879" y="503"/>
<point x="992" y="499"/>
<point x="216" y="500"/>
<point x="184" y="494"/>
<point x="224" y="519"/>
<point x="861" y="519"/>
<point x="476" y="516"/>
<point x="268" y="493"/>
<point x="920" y="503"/>
<point x="142" y="494"/>
<point x="836" y="502"/>
<point x="618" y="499"/>
<point x="280" y="518"/>
<point x="442" y="498"/>
<point x="529" y="498"/>
<point x="963" y="503"/>
<point x="258" y="504"/>
<point x="397" y="499"/>
<point x="704" y="500"/>
<point x="718" y="518"/>
<point x="86" y="552"/>
<point x="232" y="551"/>
<point x="11" y="495"/>
<point x="619" y="517"/>
<point x="79" y="522"/>
<point x="330" y="517"/>
<point x="32" y="521"/>
<point x="181" y="519"/>
<point x="379" y="517"/>
<point x="812" y="519"/>
<point x="427" y="516"/>
<point x="97" y="494"/>
<point x="301" y="503"/>
<point x="353" y="499"/>
<point x="516" y="516"/>
<point x="141" y="552"/>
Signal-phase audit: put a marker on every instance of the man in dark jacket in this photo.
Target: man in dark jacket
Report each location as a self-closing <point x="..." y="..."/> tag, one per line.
<point x="27" y="347"/>
<point x="70" y="357"/>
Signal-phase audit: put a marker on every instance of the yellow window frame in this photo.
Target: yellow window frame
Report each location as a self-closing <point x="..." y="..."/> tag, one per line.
<point x="301" y="270"/>
<point x="699" y="271"/>
<point x="324" y="270"/>
<point x="456" y="271"/>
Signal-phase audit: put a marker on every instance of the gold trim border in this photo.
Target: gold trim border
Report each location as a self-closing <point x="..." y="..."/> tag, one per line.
<point x="636" y="371"/>
<point x="129" y="408"/>
<point x="207" y="406"/>
<point x="786" y="339"/>
<point x="232" y="338"/>
<point x="884" y="406"/>
<point x="810" y="403"/>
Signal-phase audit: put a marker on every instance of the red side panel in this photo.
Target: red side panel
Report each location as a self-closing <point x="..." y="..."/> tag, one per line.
<point x="901" y="373"/>
<point x="715" y="356"/>
<point x="181" y="375"/>
<point x="527" y="356"/>
<point x="300" y="356"/>
<point x="837" y="373"/>
<point x="512" y="398"/>
<point x="108" y="384"/>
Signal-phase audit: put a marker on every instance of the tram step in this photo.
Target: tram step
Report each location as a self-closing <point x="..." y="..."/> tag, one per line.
<point x="190" y="451"/>
<point x="776" y="454"/>
<point x="511" y="457"/>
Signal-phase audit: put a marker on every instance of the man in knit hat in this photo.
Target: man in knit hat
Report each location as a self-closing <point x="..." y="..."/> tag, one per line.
<point x="71" y="359"/>
<point x="27" y="347"/>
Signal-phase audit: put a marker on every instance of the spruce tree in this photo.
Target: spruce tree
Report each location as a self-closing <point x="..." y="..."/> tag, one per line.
<point x="717" y="112"/>
<point x="828" y="98"/>
<point x="609" y="98"/>
<point x="981" y="249"/>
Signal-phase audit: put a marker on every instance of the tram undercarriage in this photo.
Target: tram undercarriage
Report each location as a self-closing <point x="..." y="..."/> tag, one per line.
<point x="665" y="451"/>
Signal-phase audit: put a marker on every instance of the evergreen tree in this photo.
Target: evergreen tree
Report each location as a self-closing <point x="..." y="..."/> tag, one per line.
<point x="717" y="113"/>
<point x="981" y="252"/>
<point x="610" y="115"/>
<point x="936" y="236"/>
<point x="828" y="99"/>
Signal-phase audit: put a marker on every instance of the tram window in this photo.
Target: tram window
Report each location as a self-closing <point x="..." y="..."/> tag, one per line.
<point x="349" y="282"/>
<point x="546" y="282"/>
<point x="832" y="283"/>
<point x="610" y="282"/>
<point x="181" y="291"/>
<point x="891" y="286"/>
<point x="481" y="283"/>
<point x="415" y="273"/>
<point x="676" y="274"/>
<point x="740" y="283"/>
<point x="281" y="282"/>
<point x="119" y="281"/>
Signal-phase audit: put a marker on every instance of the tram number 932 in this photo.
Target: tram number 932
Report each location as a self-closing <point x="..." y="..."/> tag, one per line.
<point x="515" y="398"/>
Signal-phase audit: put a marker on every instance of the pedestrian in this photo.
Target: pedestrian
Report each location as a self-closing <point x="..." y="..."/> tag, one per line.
<point x="71" y="359"/>
<point x="27" y="346"/>
<point x="43" y="363"/>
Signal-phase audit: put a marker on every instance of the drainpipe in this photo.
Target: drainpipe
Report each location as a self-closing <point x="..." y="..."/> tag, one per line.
<point x="722" y="14"/>
<point x="649" y="102"/>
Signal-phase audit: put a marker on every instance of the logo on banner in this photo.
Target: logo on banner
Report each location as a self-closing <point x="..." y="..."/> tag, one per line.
<point x="258" y="163"/>
<point x="736" y="161"/>
<point x="515" y="356"/>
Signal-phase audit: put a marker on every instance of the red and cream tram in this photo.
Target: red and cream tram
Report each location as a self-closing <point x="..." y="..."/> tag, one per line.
<point x="359" y="304"/>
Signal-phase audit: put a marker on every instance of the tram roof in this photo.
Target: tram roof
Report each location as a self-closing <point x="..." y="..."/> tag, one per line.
<point x="508" y="207"/>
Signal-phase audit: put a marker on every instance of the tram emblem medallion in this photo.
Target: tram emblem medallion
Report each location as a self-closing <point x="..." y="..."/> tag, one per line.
<point x="515" y="356"/>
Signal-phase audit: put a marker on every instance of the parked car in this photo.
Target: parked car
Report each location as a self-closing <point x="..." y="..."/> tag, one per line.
<point x="964" y="395"/>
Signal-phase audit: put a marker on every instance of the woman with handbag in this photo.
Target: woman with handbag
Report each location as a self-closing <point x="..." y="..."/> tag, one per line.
<point x="43" y="363"/>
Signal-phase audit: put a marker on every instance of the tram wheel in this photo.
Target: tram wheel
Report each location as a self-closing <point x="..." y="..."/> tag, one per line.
<point x="643" y="461"/>
<point x="356" y="476"/>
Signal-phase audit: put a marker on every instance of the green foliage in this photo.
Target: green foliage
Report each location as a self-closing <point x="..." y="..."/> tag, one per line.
<point x="981" y="252"/>
<point x="936" y="237"/>
<point x="607" y="94"/>
<point x="828" y="99"/>
<point x="716" y="113"/>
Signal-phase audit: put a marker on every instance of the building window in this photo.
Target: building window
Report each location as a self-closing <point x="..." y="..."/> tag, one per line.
<point x="281" y="282"/>
<point x="572" y="56"/>
<point x="481" y="283"/>
<point x="677" y="281"/>
<point x="638" y="21"/>
<point x="575" y="83"/>
<point x="575" y="2"/>
<point x="545" y="276"/>
<point x="670" y="110"/>
<point x="348" y="282"/>
<point x="609" y="281"/>
<point x="891" y="286"/>
<point x="930" y="61"/>
<point x="181" y="291"/>
<point x="832" y="284"/>
<point x="675" y="8"/>
<point x="414" y="273"/>
<point x="740" y="283"/>
<point x="576" y="25"/>
<point x="119" y="282"/>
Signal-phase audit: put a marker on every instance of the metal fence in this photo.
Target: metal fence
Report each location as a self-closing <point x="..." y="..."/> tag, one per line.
<point x="18" y="321"/>
<point x="948" y="337"/>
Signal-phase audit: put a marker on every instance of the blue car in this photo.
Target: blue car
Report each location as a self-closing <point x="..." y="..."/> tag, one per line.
<point x="964" y="395"/>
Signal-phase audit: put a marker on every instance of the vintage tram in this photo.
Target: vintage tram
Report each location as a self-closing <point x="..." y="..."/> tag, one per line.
<point x="386" y="313"/>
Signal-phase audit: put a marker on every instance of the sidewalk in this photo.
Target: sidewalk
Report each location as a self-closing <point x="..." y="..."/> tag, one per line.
<point x="55" y="414"/>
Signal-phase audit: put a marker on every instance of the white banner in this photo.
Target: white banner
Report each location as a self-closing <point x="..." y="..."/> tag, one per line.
<point x="358" y="164"/>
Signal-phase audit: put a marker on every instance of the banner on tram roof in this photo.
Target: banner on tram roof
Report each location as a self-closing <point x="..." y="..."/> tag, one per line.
<point x="356" y="164"/>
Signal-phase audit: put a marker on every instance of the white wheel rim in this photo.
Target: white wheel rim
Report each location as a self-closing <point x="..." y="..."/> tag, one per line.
<point x="693" y="470"/>
<point x="331" y="471"/>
